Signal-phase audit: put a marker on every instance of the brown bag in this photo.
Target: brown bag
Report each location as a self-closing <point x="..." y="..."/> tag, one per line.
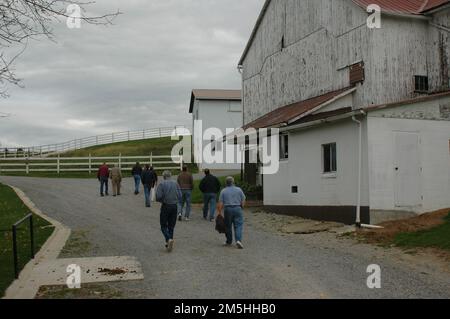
<point x="220" y="224"/>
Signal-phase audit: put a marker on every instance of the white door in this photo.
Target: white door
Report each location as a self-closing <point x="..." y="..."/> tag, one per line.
<point x="407" y="170"/>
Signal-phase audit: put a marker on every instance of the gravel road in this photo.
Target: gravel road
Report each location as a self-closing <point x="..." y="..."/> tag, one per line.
<point x="272" y="265"/>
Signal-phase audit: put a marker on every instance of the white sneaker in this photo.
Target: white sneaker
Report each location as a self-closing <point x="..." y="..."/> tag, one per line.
<point x="187" y="219"/>
<point x="239" y="245"/>
<point x="170" y="245"/>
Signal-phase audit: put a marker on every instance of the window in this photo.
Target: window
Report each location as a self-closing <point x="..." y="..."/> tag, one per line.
<point x="329" y="158"/>
<point x="421" y="84"/>
<point x="284" y="147"/>
<point x="294" y="189"/>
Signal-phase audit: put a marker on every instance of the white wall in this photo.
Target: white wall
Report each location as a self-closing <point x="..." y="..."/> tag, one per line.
<point x="305" y="169"/>
<point x="434" y="150"/>
<point x="217" y="114"/>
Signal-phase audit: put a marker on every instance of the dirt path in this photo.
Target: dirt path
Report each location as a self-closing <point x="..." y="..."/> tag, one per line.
<point x="273" y="265"/>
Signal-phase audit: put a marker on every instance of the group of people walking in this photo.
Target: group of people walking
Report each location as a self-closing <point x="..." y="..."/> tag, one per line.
<point x="176" y="198"/>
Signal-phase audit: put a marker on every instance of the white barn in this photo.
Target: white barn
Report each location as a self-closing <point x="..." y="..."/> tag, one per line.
<point x="364" y="113"/>
<point x="220" y="109"/>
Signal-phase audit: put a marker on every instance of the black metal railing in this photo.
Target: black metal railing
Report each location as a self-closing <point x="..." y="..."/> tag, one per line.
<point x="14" y="232"/>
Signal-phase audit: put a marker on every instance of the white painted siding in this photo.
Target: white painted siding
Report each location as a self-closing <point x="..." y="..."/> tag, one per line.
<point x="434" y="152"/>
<point x="305" y="169"/>
<point x="216" y="114"/>
<point x="322" y="37"/>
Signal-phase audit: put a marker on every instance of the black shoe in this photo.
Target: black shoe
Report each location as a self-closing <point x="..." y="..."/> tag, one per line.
<point x="180" y="217"/>
<point x="107" y="194"/>
<point x="102" y="195"/>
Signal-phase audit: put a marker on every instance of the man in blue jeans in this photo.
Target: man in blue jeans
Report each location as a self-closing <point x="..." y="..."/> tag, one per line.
<point x="209" y="186"/>
<point x="168" y="194"/>
<point x="232" y="199"/>
<point x="186" y="183"/>
<point x="137" y="173"/>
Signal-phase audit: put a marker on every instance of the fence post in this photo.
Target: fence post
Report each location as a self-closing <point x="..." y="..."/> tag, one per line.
<point x="151" y="159"/>
<point x="58" y="163"/>
<point x="27" y="167"/>
<point x="90" y="164"/>
<point x="181" y="163"/>
<point x="120" y="160"/>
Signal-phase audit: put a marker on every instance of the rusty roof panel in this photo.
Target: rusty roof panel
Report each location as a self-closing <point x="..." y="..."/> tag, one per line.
<point x="290" y="112"/>
<point x="416" y="7"/>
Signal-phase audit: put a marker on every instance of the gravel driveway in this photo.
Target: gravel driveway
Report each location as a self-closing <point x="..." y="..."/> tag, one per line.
<point x="272" y="265"/>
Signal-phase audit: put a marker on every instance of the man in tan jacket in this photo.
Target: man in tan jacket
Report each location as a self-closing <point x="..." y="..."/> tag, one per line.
<point x="116" y="179"/>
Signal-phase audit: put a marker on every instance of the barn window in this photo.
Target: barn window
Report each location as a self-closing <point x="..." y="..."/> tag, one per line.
<point x="421" y="84"/>
<point x="329" y="158"/>
<point x="284" y="147"/>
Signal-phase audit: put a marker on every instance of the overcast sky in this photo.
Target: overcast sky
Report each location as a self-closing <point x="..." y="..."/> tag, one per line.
<point x="135" y="74"/>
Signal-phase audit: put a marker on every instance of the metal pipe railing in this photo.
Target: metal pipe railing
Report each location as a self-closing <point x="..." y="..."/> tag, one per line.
<point x="14" y="232"/>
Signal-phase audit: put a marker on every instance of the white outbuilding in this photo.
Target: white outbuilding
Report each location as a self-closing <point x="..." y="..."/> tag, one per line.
<point x="214" y="111"/>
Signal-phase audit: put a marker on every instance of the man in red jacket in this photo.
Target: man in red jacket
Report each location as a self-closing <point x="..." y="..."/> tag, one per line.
<point x="103" y="176"/>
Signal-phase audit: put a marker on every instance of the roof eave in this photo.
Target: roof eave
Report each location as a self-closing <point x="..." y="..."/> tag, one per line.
<point x="253" y="34"/>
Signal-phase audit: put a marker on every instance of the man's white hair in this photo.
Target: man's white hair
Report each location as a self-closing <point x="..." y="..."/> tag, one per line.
<point x="167" y="175"/>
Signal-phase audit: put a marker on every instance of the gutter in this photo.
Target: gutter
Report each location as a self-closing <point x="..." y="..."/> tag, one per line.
<point x="358" y="207"/>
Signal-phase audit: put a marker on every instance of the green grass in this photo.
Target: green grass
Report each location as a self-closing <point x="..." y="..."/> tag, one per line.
<point x="158" y="146"/>
<point x="437" y="237"/>
<point x="12" y="209"/>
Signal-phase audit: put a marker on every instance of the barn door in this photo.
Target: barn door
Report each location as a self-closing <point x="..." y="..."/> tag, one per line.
<point x="407" y="170"/>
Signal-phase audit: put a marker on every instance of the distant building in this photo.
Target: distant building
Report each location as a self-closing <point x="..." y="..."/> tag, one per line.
<point x="316" y="70"/>
<point x="220" y="109"/>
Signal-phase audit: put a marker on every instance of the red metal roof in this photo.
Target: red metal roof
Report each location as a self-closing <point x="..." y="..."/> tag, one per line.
<point x="403" y="6"/>
<point x="292" y="112"/>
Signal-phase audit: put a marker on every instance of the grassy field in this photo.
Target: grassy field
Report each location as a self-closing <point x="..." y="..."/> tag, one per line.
<point x="157" y="147"/>
<point x="437" y="237"/>
<point x="12" y="209"/>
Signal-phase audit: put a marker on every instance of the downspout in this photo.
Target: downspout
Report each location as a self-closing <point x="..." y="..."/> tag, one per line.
<point x="358" y="207"/>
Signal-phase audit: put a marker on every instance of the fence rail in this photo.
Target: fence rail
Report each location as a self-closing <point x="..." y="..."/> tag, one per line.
<point x="86" y="164"/>
<point x="44" y="150"/>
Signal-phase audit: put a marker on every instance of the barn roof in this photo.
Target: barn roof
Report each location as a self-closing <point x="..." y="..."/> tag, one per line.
<point x="415" y="7"/>
<point x="404" y="7"/>
<point x="218" y="95"/>
<point x="293" y="112"/>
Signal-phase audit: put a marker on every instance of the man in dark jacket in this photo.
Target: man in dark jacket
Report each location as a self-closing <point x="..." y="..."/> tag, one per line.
<point x="149" y="180"/>
<point x="136" y="172"/>
<point x="103" y="177"/>
<point x="209" y="186"/>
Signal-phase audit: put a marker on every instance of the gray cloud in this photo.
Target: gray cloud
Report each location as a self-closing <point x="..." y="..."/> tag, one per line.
<point x="135" y="74"/>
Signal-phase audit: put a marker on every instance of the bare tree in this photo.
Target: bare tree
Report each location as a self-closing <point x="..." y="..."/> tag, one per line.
<point x="21" y="20"/>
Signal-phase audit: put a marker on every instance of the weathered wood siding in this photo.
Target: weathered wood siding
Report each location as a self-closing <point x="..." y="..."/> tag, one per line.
<point x="322" y="38"/>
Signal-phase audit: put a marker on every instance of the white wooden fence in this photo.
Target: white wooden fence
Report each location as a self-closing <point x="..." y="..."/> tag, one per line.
<point x="45" y="150"/>
<point x="88" y="164"/>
